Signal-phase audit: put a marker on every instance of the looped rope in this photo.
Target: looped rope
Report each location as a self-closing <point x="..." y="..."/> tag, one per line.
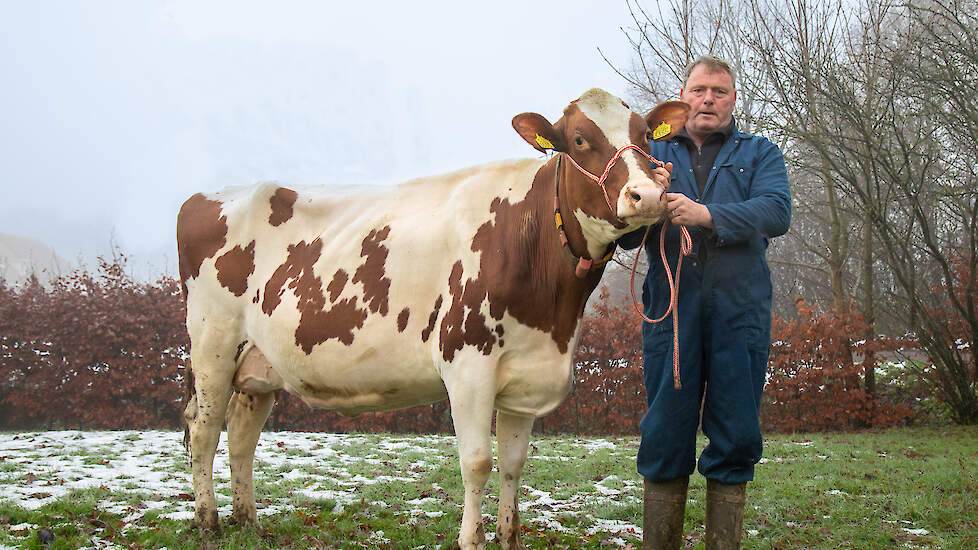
<point x="685" y="249"/>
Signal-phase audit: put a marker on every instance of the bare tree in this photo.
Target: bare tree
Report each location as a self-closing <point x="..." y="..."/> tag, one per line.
<point x="875" y="105"/>
<point x="899" y="145"/>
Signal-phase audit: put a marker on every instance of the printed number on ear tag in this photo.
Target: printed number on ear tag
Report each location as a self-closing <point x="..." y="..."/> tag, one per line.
<point x="544" y="142"/>
<point x="661" y="131"/>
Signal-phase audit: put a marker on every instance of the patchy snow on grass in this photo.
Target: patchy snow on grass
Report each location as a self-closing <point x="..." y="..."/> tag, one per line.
<point x="146" y="474"/>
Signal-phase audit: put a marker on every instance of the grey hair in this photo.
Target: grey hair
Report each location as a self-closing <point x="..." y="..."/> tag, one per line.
<point x="714" y="64"/>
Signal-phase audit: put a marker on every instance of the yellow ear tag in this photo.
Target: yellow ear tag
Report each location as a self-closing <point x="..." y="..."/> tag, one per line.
<point x="544" y="142"/>
<point x="661" y="131"/>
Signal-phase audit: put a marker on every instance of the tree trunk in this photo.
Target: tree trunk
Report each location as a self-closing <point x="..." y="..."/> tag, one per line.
<point x="869" y="307"/>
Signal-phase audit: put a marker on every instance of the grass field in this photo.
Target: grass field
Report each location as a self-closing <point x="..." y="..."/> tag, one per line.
<point x="901" y="488"/>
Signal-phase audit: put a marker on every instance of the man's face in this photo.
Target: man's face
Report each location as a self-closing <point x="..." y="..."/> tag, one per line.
<point x="711" y="96"/>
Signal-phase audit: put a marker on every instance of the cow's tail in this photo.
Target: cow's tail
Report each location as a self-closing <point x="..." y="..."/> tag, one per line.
<point x="190" y="401"/>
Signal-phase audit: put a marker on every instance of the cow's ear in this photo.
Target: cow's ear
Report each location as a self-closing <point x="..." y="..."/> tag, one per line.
<point x="538" y="132"/>
<point x="667" y="119"/>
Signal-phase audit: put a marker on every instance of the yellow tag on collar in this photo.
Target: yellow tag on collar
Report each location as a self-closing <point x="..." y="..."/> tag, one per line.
<point x="661" y="131"/>
<point x="544" y="142"/>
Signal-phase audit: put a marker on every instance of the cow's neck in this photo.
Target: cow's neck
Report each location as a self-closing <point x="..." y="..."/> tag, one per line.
<point x="587" y="236"/>
<point x="524" y="270"/>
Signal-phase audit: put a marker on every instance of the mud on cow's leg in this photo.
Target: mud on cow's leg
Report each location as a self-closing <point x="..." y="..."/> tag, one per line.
<point x="245" y="417"/>
<point x="212" y="372"/>
<point x="472" y="404"/>
<point x="513" y="436"/>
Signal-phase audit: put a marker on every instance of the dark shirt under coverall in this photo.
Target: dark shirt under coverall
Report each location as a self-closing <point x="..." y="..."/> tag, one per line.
<point x="724" y="308"/>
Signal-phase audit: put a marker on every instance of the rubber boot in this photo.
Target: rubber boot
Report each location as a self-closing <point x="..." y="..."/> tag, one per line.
<point x="662" y="514"/>
<point x="724" y="514"/>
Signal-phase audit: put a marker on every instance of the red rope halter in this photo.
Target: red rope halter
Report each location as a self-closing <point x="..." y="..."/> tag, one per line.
<point x="604" y="175"/>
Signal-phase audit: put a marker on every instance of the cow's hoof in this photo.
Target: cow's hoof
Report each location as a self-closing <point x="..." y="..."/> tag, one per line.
<point x="207" y="522"/>
<point x="243" y="519"/>
<point x="510" y="542"/>
<point x="476" y="546"/>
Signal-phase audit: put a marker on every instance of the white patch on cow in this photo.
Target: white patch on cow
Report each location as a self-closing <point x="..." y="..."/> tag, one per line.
<point x="608" y="113"/>
<point x="598" y="233"/>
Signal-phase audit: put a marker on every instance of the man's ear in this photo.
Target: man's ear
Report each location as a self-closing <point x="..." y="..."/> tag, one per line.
<point x="667" y="119"/>
<point x="538" y="132"/>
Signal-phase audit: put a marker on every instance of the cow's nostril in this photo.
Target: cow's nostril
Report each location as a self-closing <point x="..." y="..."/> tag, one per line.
<point x="635" y="196"/>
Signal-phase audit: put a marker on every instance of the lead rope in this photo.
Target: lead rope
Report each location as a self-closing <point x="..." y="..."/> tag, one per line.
<point x="685" y="248"/>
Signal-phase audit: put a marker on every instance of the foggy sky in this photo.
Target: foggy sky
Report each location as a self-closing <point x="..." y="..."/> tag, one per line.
<point x="113" y="113"/>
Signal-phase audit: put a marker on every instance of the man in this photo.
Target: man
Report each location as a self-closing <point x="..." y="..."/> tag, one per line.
<point x="730" y="190"/>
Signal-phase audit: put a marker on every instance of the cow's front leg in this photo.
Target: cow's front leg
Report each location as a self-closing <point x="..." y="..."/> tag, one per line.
<point x="471" y="397"/>
<point x="513" y="436"/>
<point x="246" y="416"/>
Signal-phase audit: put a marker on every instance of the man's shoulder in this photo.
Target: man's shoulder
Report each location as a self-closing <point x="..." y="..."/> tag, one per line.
<point x="755" y="139"/>
<point x="754" y="144"/>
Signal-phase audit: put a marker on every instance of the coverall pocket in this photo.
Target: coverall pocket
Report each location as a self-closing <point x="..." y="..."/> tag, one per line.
<point x="741" y="176"/>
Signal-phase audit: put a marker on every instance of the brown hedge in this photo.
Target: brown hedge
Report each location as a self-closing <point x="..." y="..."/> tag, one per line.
<point x="102" y="351"/>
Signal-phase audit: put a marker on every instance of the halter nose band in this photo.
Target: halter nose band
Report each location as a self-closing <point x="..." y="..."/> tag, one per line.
<point x="604" y="175"/>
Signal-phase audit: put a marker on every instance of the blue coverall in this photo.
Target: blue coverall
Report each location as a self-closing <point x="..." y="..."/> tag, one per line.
<point x="724" y="314"/>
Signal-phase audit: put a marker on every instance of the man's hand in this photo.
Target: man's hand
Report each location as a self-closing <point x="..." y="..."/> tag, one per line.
<point x="685" y="211"/>
<point x="663" y="175"/>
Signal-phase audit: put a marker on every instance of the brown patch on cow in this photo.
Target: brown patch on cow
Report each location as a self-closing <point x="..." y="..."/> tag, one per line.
<point x="234" y="267"/>
<point x="335" y="286"/>
<point x="370" y="274"/>
<point x="201" y="231"/>
<point x="426" y="333"/>
<point x="257" y="296"/>
<point x="532" y="279"/>
<point x="463" y="323"/>
<point x="316" y="325"/>
<point x="523" y="271"/>
<point x="282" y="201"/>
<point x="402" y="319"/>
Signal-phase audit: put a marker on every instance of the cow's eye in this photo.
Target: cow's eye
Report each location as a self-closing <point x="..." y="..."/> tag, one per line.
<point x="648" y="136"/>
<point x="579" y="140"/>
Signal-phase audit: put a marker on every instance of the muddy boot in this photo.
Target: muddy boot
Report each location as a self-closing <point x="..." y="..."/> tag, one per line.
<point x="662" y="514"/>
<point x="724" y="514"/>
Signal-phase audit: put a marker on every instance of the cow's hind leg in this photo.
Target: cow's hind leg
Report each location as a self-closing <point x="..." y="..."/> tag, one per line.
<point x="513" y="436"/>
<point x="471" y="400"/>
<point x="213" y="370"/>
<point x="245" y="417"/>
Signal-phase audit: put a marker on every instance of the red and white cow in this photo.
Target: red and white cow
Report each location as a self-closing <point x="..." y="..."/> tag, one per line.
<point x="460" y="286"/>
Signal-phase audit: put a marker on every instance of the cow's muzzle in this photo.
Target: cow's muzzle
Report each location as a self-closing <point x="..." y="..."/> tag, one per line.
<point x="644" y="201"/>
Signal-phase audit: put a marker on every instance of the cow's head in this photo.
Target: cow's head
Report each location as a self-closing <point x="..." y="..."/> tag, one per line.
<point x="592" y="130"/>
